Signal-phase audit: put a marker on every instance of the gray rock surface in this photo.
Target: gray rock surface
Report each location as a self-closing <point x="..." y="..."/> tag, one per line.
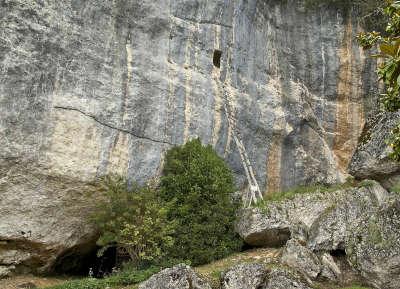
<point x="363" y="223"/>
<point x="95" y="87"/>
<point x="371" y="160"/>
<point x="249" y="276"/>
<point x="312" y="265"/>
<point x="6" y="271"/>
<point x="256" y="276"/>
<point x="178" y="277"/>
<point x="330" y="269"/>
<point x="43" y="219"/>
<point x="321" y="219"/>
<point x="283" y="279"/>
<point x="302" y="259"/>
<point x="374" y="247"/>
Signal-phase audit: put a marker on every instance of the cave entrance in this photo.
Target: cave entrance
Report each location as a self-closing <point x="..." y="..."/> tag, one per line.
<point x="338" y="253"/>
<point x="77" y="263"/>
<point x="217" y="58"/>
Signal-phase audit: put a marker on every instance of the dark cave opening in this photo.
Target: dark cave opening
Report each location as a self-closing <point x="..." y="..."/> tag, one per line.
<point x="76" y="263"/>
<point x="338" y="253"/>
<point x="217" y="58"/>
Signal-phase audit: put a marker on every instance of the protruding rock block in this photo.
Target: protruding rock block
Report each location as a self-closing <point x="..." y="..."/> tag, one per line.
<point x="178" y="277"/>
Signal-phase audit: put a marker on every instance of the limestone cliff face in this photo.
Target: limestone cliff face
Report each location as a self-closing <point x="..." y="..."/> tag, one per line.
<point x="96" y="87"/>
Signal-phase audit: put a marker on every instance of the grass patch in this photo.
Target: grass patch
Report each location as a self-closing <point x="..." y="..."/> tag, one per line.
<point x="395" y="188"/>
<point x="212" y="271"/>
<point x="303" y="190"/>
<point x="123" y="278"/>
<point x="366" y="183"/>
<point x="356" y="287"/>
<point x="294" y="192"/>
<point x="317" y="188"/>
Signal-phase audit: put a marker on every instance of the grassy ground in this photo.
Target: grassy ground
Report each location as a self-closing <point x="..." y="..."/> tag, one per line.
<point x="130" y="279"/>
<point x="301" y="190"/>
<point x="212" y="271"/>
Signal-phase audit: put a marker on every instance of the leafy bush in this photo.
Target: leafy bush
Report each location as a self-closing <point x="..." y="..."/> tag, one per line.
<point x="199" y="185"/>
<point x="134" y="220"/>
<point x="389" y="70"/>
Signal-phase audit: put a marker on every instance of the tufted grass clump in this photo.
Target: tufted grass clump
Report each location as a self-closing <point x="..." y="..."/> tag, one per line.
<point x="315" y="188"/>
<point x="294" y="192"/>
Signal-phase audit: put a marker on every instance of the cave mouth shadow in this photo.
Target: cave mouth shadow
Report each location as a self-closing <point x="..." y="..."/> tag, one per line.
<point x="338" y="253"/>
<point x="75" y="263"/>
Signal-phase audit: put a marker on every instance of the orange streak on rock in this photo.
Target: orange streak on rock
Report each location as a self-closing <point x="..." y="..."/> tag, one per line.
<point x="349" y="108"/>
<point x="274" y="165"/>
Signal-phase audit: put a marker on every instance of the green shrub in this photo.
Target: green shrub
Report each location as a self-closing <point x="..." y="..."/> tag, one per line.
<point x="134" y="220"/>
<point x="199" y="185"/>
<point x="388" y="46"/>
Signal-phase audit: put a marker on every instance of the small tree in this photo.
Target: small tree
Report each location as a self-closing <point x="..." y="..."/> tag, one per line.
<point x="199" y="185"/>
<point x="134" y="220"/>
<point x="389" y="70"/>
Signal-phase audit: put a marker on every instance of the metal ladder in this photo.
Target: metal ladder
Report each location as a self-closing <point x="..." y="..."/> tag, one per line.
<point x="253" y="195"/>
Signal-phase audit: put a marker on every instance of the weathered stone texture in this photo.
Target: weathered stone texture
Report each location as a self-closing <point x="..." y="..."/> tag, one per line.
<point x="361" y="224"/>
<point x="250" y="276"/>
<point x="96" y="87"/>
<point x="178" y="277"/>
<point x="371" y="159"/>
<point x="322" y="219"/>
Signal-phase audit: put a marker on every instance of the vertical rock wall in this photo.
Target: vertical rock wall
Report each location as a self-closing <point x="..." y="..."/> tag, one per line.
<point x="95" y="87"/>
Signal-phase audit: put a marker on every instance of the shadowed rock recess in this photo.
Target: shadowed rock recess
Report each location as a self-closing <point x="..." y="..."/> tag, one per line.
<point x="92" y="87"/>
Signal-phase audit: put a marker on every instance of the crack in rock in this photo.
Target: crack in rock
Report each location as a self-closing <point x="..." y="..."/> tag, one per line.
<point x="114" y="127"/>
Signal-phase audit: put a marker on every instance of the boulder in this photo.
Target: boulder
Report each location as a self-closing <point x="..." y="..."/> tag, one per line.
<point x="322" y="219"/>
<point x="301" y="259"/>
<point x="256" y="276"/>
<point x="280" y="278"/>
<point x="312" y="265"/>
<point x="44" y="221"/>
<point x="374" y="247"/>
<point x="258" y="230"/>
<point x="5" y="271"/>
<point x="178" y="277"/>
<point x="361" y="224"/>
<point x="370" y="159"/>
<point x="249" y="276"/>
<point x="330" y="270"/>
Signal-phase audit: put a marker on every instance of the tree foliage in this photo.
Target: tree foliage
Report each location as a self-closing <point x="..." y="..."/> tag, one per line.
<point x="134" y="220"/>
<point x="388" y="45"/>
<point x="199" y="185"/>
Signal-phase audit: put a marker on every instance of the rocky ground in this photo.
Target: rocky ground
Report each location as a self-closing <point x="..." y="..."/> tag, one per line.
<point x="328" y="238"/>
<point x="230" y="270"/>
<point x="29" y="281"/>
<point x="322" y="239"/>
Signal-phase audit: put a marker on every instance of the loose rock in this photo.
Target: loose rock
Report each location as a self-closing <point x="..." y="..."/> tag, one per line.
<point x="249" y="276"/>
<point x="178" y="277"/>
